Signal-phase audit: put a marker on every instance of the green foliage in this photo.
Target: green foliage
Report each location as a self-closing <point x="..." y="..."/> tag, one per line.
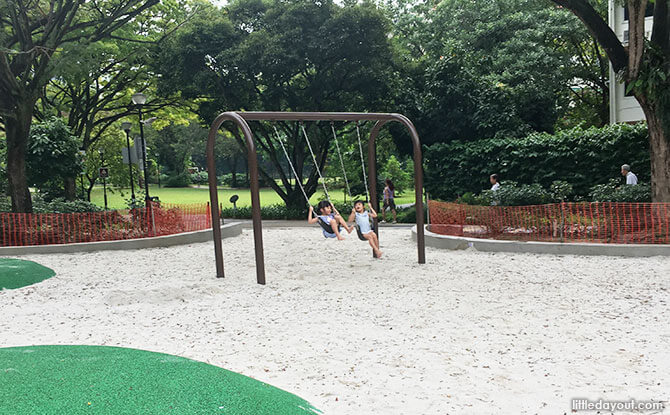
<point x="58" y="205"/>
<point x="178" y="180"/>
<point x="560" y="190"/>
<point x="469" y="198"/>
<point x="402" y="178"/>
<point x="199" y="178"/>
<point x="512" y="194"/>
<point x="53" y="156"/>
<point x="106" y="151"/>
<point x="226" y="180"/>
<point x="582" y="158"/>
<point x="289" y="56"/>
<point x="408" y="215"/>
<point x="613" y="191"/>
<point x="521" y="66"/>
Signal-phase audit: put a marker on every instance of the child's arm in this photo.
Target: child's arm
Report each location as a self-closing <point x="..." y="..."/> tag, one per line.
<point x="352" y="215"/>
<point x="335" y="210"/>
<point x="372" y="210"/>
<point x="310" y="217"/>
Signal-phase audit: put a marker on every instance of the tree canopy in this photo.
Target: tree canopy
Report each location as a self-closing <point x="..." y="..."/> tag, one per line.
<point x="294" y="55"/>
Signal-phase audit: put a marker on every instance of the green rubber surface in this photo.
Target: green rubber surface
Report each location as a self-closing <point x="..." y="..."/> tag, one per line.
<point x="112" y="380"/>
<point x="17" y="273"/>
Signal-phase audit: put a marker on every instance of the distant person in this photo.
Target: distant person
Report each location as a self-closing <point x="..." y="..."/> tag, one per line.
<point x="389" y="196"/>
<point x="494" y="181"/>
<point x="631" y="178"/>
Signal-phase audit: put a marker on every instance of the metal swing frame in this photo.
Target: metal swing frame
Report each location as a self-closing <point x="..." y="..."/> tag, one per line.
<point x="241" y="118"/>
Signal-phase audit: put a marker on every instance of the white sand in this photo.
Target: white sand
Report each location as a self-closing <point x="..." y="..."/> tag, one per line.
<point x="466" y="333"/>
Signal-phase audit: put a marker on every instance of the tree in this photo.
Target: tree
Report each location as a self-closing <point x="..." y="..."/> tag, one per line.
<point x="31" y="36"/>
<point x="296" y="55"/>
<point x="53" y="155"/>
<point x="486" y="68"/>
<point x="644" y="65"/>
<point x="106" y="152"/>
<point x="96" y="80"/>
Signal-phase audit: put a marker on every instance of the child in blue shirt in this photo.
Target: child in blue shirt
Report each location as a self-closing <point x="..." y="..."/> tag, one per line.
<point x="329" y="215"/>
<point x="362" y="218"/>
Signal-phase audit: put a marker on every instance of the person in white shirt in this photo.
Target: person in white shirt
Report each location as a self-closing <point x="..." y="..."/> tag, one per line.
<point x="494" y="181"/>
<point x="631" y="178"/>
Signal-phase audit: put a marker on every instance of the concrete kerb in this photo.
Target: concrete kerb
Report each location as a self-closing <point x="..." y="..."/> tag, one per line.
<point x="227" y="230"/>
<point x="554" y="248"/>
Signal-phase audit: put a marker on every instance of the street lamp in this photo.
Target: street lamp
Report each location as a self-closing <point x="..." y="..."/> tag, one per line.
<point x="102" y="172"/>
<point x="139" y="99"/>
<point x="125" y="126"/>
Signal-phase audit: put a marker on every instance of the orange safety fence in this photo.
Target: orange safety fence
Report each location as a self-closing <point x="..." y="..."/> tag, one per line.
<point x="601" y="222"/>
<point x="22" y="229"/>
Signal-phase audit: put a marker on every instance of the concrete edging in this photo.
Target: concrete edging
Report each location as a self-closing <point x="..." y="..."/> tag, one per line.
<point x="554" y="248"/>
<point x="227" y="230"/>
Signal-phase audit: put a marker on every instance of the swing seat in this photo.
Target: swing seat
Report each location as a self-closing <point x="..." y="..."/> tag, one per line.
<point x="327" y="228"/>
<point x="360" y="235"/>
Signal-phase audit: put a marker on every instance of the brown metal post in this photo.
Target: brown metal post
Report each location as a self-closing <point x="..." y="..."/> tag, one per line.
<point x="255" y="199"/>
<point x="372" y="170"/>
<point x="418" y="186"/>
<point x="241" y="118"/>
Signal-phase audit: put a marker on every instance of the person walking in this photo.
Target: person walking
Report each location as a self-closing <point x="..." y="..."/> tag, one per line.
<point x="494" y="188"/>
<point x="389" y="196"/>
<point x="631" y="178"/>
<point x="494" y="181"/>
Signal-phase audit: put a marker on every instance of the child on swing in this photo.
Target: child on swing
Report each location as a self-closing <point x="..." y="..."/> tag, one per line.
<point x="329" y="215"/>
<point x="362" y="218"/>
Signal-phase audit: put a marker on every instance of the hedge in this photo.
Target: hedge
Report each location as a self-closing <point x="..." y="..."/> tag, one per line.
<point x="582" y="158"/>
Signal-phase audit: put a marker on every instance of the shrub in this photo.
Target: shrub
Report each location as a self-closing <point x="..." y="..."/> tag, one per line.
<point x="179" y="180"/>
<point x="579" y="157"/>
<point x="227" y="181"/>
<point x="513" y="194"/>
<point x="199" y="178"/>
<point x="613" y="191"/>
<point x="58" y="205"/>
<point x="408" y="215"/>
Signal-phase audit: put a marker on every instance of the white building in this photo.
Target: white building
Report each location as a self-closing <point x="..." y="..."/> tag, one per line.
<point x="624" y="108"/>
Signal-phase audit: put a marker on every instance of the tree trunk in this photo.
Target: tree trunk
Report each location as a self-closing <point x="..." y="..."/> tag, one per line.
<point x="658" y="120"/>
<point x="17" y="130"/>
<point x="70" y="188"/>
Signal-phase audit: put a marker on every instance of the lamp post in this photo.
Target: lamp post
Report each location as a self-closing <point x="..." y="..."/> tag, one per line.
<point x="125" y="126"/>
<point x="82" y="154"/>
<point x="139" y="99"/>
<point x="103" y="176"/>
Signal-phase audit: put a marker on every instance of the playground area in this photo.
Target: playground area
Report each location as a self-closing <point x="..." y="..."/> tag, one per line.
<point x="467" y="332"/>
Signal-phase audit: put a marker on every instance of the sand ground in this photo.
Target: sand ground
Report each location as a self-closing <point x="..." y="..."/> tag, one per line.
<point x="466" y="333"/>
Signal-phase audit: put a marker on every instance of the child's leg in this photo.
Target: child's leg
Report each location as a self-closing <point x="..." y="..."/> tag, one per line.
<point x="341" y="220"/>
<point x="336" y="230"/>
<point x="375" y="239"/>
<point x="371" y="237"/>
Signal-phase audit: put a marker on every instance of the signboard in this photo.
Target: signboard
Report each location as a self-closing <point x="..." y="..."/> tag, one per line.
<point x="133" y="156"/>
<point x="103" y="172"/>
<point x="138" y="149"/>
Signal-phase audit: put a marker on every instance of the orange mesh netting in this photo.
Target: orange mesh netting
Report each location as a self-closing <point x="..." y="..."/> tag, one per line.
<point x="603" y="222"/>
<point x="20" y="229"/>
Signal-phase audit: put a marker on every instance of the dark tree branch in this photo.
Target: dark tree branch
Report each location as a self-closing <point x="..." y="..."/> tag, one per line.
<point x="600" y="30"/>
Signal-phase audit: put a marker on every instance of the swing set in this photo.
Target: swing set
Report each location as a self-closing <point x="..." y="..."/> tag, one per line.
<point x="326" y="226"/>
<point x="240" y="118"/>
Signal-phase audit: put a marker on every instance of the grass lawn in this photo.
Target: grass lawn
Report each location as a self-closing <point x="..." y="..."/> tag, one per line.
<point x="185" y="195"/>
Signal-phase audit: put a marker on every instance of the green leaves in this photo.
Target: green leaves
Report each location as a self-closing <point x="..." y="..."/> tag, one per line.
<point x="580" y="158"/>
